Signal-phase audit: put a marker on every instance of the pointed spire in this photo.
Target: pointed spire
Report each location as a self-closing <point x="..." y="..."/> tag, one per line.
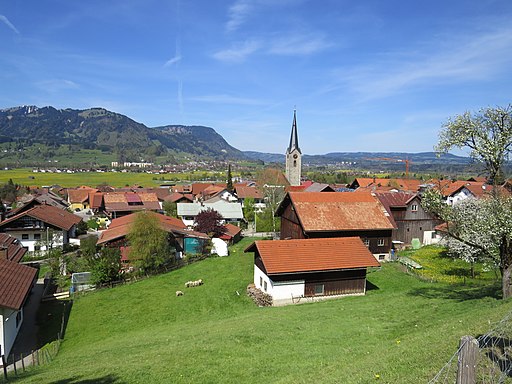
<point x="294" y="138"/>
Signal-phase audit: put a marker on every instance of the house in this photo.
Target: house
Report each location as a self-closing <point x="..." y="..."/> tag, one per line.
<point x="293" y="271"/>
<point x="30" y="200"/>
<point x="244" y="192"/>
<point x="231" y="212"/>
<point x="80" y="199"/>
<point x="410" y="219"/>
<point x="337" y="214"/>
<point x="181" y="238"/>
<point x="118" y="204"/>
<point x="16" y="282"/>
<point x="40" y="224"/>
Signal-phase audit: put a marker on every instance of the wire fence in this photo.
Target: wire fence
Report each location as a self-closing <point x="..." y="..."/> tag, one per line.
<point x="485" y="359"/>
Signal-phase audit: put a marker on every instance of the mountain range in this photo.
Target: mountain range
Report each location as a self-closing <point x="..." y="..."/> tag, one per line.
<point x="98" y="128"/>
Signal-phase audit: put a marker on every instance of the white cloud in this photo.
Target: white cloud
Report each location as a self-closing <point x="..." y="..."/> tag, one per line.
<point x="238" y="13"/>
<point x="57" y="85"/>
<point x="6" y="21"/>
<point x="238" y="54"/>
<point x="298" y="45"/>
<point x="461" y="59"/>
<point x="174" y="60"/>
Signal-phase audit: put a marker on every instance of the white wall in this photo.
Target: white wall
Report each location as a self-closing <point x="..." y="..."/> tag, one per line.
<point x="30" y="243"/>
<point x="8" y="329"/>
<point x="281" y="292"/>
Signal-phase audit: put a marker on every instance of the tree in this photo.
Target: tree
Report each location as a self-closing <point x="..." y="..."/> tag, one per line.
<point x="249" y="209"/>
<point x="209" y="221"/>
<point x="488" y="134"/>
<point x="105" y="266"/>
<point x="485" y="225"/>
<point x="229" y="183"/>
<point x="170" y="208"/>
<point x="149" y="244"/>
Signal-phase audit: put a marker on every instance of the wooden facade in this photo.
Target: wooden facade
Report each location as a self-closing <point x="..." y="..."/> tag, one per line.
<point x="377" y="241"/>
<point x="323" y="283"/>
<point x="412" y="221"/>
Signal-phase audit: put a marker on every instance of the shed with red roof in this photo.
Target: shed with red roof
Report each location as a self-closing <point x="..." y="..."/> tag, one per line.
<point x="293" y="271"/>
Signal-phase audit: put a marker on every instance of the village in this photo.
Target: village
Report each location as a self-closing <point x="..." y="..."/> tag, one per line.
<point x="328" y="237"/>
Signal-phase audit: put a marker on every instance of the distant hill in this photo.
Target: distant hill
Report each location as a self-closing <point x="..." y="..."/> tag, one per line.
<point x="98" y="128"/>
<point x="365" y="158"/>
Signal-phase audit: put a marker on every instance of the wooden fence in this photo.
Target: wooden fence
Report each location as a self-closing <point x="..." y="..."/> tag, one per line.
<point x="18" y="362"/>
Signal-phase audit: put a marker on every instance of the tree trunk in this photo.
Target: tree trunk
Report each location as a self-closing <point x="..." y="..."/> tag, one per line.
<point x="506" y="268"/>
<point x="506" y="282"/>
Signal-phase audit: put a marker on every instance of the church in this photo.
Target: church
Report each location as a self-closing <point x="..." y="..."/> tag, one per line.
<point x="293" y="156"/>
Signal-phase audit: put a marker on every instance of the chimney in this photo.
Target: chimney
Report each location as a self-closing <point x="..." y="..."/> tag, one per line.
<point x="3" y="252"/>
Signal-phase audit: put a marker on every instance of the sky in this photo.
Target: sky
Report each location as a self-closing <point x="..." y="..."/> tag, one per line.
<point x="367" y="75"/>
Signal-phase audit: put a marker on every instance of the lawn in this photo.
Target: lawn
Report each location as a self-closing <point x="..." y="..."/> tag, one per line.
<point x="404" y="330"/>
<point x="437" y="265"/>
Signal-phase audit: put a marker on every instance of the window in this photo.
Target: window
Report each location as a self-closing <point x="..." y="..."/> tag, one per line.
<point x="261" y="281"/>
<point x="381" y="242"/>
<point x="37" y="247"/>
<point x="319" y="289"/>
<point x="24" y="236"/>
<point x="414" y="207"/>
<point x="37" y="236"/>
<point x="382" y="257"/>
<point x="265" y="286"/>
<point x="366" y="242"/>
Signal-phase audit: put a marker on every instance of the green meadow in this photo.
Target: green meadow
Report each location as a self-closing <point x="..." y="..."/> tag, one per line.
<point x="403" y="331"/>
<point x="25" y="176"/>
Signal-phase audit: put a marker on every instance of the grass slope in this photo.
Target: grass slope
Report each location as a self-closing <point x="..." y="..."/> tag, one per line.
<point x="403" y="330"/>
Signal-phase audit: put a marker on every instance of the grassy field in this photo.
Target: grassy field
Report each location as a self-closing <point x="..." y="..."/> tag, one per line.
<point x="403" y="331"/>
<point x="25" y="176"/>
<point x="438" y="266"/>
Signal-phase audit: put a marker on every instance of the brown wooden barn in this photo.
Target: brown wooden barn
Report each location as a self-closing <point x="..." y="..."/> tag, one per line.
<point x="306" y="215"/>
<point x="293" y="271"/>
<point x="411" y="220"/>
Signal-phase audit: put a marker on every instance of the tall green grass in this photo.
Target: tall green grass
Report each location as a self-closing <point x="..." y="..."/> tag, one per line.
<point x="403" y="331"/>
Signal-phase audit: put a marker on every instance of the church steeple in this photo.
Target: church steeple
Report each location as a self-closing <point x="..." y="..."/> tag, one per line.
<point x="294" y="138"/>
<point x="293" y="156"/>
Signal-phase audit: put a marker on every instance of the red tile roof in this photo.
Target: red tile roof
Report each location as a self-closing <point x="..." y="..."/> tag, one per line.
<point x="337" y="211"/>
<point x="119" y="201"/>
<point x="230" y="231"/>
<point x="120" y="227"/>
<point x="16" y="281"/>
<point x="50" y="215"/>
<point x="309" y="255"/>
<point x="243" y="192"/>
<point x="15" y="250"/>
<point x="176" y="197"/>
<point x="78" y="195"/>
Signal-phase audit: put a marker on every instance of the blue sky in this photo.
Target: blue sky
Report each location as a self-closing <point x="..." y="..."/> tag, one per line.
<point x="366" y="75"/>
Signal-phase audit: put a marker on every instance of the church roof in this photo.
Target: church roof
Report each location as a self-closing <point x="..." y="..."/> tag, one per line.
<point x="294" y="138"/>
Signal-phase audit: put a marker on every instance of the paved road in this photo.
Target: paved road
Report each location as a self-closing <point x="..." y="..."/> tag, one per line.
<point x="26" y="341"/>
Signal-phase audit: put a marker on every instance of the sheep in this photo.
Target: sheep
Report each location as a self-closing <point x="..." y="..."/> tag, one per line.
<point x="179" y="293"/>
<point x="194" y="283"/>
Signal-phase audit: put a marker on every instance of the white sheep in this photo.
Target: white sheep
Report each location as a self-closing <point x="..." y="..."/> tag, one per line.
<point x="179" y="293"/>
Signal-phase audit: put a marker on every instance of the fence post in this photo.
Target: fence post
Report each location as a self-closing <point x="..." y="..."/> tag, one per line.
<point x="14" y="363"/>
<point x="468" y="353"/>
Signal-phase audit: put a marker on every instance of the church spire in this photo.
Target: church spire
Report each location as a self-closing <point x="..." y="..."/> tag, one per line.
<point x="294" y="138"/>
